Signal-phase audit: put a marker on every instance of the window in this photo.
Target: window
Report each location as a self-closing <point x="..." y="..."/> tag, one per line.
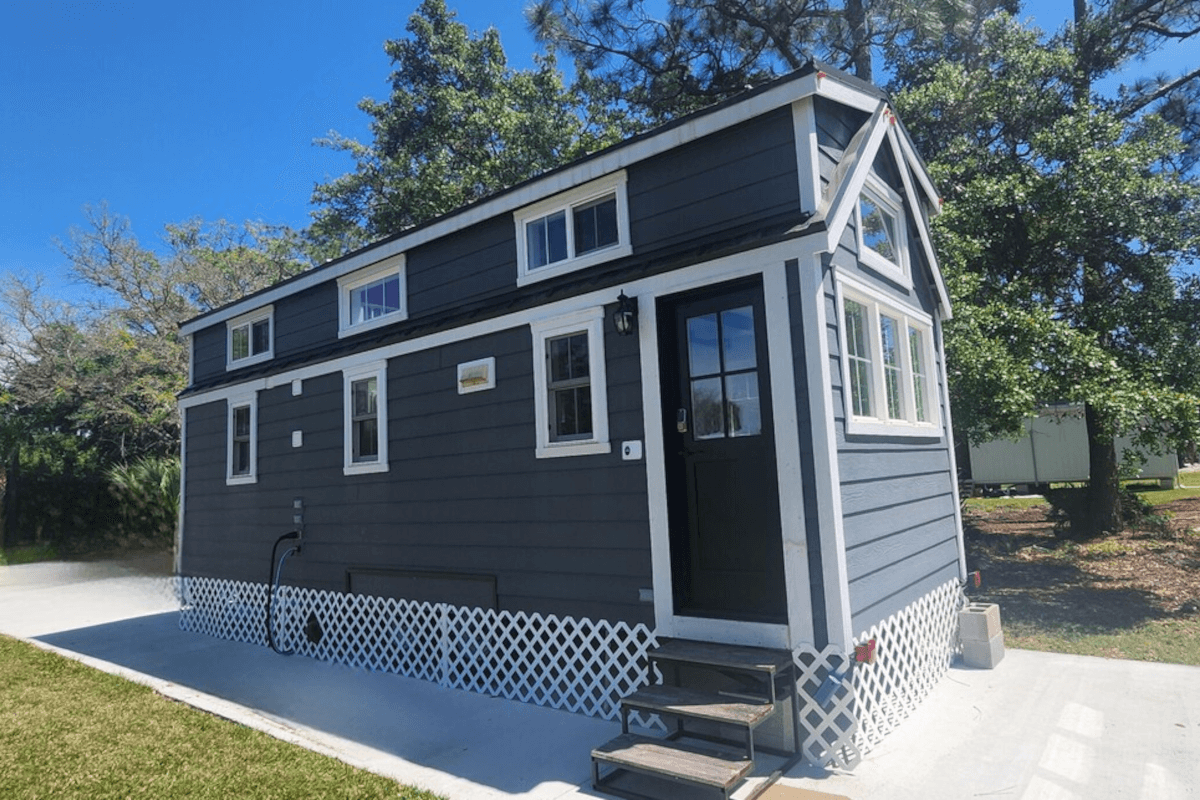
<point x="571" y="409"/>
<point x="723" y="374"/>
<point x="585" y="226"/>
<point x="881" y="231"/>
<point x="885" y="368"/>
<point x="243" y="445"/>
<point x="372" y="297"/>
<point x="250" y="338"/>
<point x="365" y="400"/>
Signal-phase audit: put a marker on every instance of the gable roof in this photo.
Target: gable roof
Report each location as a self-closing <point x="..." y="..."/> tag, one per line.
<point x="813" y="79"/>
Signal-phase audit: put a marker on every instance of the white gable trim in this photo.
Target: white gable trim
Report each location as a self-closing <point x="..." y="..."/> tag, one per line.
<point x="851" y="173"/>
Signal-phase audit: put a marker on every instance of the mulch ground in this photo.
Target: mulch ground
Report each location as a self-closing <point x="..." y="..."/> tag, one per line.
<point x="1099" y="586"/>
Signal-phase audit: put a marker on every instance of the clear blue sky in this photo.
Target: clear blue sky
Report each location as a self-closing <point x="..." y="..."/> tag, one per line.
<point x="170" y="110"/>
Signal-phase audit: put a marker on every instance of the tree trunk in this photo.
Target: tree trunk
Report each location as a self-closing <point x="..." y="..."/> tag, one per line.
<point x="1104" y="487"/>
<point x="860" y="39"/>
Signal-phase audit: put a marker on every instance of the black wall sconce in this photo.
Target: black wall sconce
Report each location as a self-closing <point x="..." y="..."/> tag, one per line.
<point x="625" y="317"/>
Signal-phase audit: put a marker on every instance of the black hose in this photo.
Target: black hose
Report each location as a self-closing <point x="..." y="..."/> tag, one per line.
<point x="273" y="585"/>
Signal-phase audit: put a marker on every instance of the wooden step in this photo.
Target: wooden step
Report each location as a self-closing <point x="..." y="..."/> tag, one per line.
<point x="722" y="656"/>
<point x="676" y="760"/>
<point x="699" y="705"/>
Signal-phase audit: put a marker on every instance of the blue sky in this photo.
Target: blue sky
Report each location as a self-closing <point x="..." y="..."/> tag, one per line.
<point x="170" y="111"/>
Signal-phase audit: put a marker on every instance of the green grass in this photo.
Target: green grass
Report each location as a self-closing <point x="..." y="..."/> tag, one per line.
<point x="992" y="503"/>
<point x="1174" y="641"/>
<point x="27" y="554"/>
<point x="68" y="731"/>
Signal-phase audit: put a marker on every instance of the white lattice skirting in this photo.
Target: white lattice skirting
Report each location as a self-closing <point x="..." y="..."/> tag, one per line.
<point x="577" y="664"/>
<point x="573" y="664"/>
<point x="915" y="647"/>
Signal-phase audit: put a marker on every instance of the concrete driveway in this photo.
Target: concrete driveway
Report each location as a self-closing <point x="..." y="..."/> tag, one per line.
<point x="1040" y="726"/>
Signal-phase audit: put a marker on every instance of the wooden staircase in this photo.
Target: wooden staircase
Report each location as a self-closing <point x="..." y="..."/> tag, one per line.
<point x="713" y="698"/>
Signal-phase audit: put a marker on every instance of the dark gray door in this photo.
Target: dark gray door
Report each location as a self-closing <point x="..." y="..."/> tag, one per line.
<point x="722" y="485"/>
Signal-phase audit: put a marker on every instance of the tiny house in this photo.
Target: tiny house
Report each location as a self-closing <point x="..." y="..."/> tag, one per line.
<point x="690" y="387"/>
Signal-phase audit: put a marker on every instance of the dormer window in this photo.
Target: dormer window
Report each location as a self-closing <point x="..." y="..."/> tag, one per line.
<point x="881" y="238"/>
<point x="573" y="230"/>
<point x="250" y="338"/>
<point x="372" y="297"/>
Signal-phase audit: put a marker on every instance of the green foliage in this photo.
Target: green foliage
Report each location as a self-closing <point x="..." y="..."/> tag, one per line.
<point x="148" y="494"/>
<point x="459" y="125"/>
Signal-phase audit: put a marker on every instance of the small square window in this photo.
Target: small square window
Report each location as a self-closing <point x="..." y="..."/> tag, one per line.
<point x="570" y="387"/>
<point x="250" y="339"/>
<point x="595" y="224"/>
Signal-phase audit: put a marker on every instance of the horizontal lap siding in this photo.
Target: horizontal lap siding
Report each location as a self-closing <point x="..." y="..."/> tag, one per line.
<point x="469" y="266"/>
<point x="731" y="178"/>
<point x="464" y="494"/>
<point x="898" y="510"/>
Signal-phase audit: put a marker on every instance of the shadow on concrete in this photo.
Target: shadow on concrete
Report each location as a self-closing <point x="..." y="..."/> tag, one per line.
<point x="383" y="720"/>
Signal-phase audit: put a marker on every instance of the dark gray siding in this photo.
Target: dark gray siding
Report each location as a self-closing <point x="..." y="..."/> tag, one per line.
<point x="836" y="126"/>
<point x="306" y="320"/>
<point x="208" y="353"/>
<point x="472" y="265"/>
<point x="742" y="174"/>
<point x="464" y="495"/>
<point x="898" y="509"/>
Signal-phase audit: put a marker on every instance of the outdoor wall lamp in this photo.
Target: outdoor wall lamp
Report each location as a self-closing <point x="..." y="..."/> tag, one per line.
<point x="625" y="317"/>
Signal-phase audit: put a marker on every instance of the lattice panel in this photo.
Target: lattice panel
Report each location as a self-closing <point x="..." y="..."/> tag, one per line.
<point x="579" y="665"/>
<point x="915" y="648"/>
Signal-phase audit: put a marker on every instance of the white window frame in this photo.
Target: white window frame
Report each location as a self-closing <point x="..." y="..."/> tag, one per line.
<point x="247" y="321"/>
<point x="567" y="202"/>
<point x="591" y="322"/>
<point x="878" y="423"/>
<point x="885" y="198"/>
<point x="235" y="402"/>
<point x="395" y="265"/>
<point x="377" y="370"/>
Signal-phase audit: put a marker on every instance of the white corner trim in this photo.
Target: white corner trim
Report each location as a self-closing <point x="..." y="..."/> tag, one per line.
<point x="851" y="173"/>
<point x="827" y="476"/>
<point x="347" y="283"/>
<point x="949" y="428"/>
<point x="808" y="159"/>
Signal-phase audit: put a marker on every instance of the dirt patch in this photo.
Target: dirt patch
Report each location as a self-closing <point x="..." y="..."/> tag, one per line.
<point x="1101" y="586"/>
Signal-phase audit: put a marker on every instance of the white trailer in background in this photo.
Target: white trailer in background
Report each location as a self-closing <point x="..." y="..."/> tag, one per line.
<point x="1054" y="450"/>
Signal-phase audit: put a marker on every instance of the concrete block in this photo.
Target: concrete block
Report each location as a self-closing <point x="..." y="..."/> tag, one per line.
<point x="979" y="622"/>
<point x="983" y="655"/>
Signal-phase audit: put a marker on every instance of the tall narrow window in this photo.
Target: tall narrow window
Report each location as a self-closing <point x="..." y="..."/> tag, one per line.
<point x="366" y="420"/>
<point x="889" y="339"/>
<point x="569" y="384"/>
<point x="859" y="357"/>
<point x="242" y="421"/>
<point x="916" y="345"/>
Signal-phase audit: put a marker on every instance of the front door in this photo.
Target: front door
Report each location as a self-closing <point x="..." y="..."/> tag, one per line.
<point x="722" y="484"/>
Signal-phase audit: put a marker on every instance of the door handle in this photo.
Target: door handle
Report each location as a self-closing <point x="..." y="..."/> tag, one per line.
<point x="681" y="421"/>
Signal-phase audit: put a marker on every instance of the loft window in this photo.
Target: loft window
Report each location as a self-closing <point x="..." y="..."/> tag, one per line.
<point x="881" y="239"/>
<point x="372" y="297"/>
<point x="250" y="338"/>
<point x="886" y="366"/>
<point x="365" y="399"/>
<point x="575" y="229"/>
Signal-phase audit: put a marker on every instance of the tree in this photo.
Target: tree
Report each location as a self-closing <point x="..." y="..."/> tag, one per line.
<point x="702" y="51"/>
<point x="459" y="125"/>
<point x="1066" y="215"/>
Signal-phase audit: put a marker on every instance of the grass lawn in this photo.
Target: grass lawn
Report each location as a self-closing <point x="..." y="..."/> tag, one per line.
<point x="69" y="731"/>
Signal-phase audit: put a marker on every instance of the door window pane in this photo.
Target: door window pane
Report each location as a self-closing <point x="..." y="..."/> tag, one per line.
<point x="703" y="356"/>
<point x="742" y="404"/>
<point x="737" y="339"/>
<point x="708" y="409"/>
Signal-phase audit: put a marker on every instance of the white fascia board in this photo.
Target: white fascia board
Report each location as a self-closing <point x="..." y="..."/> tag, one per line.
<point x="908" y="167"/>
<point x="539" y="189"/>
<point x="851" y="174"/>
<point x="833" y="89"/>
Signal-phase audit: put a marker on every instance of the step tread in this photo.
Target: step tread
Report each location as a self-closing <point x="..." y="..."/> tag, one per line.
<point x="693" y="763"/>
<point x="758" y="659"/>
<point x="699" y="705"/>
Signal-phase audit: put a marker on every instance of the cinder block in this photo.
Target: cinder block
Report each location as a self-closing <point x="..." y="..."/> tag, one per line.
<point x="979" y="622"/>
<point x="983" y="655"/>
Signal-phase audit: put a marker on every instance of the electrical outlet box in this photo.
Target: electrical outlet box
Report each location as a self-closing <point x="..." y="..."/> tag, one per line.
<point x="631" y="451"/>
